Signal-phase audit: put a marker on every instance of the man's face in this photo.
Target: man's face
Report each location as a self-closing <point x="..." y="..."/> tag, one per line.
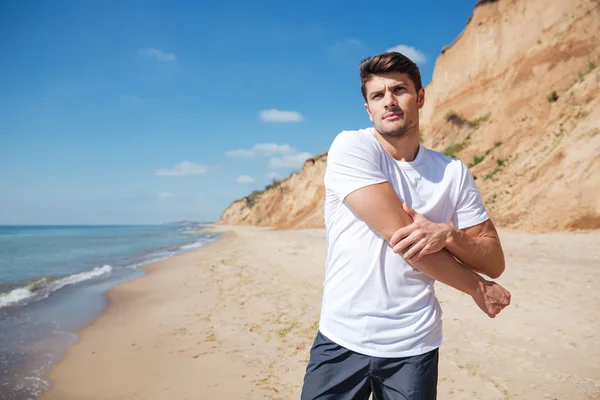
<point x="393" y="103"/>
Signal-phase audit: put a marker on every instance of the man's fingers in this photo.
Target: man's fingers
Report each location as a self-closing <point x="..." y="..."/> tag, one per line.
<point x="401" y="234"/>
<point x="405" y="243"/>
<point x="414" y="250"/>
<point x="421" y="253"/>
<point x="409" y="210"/>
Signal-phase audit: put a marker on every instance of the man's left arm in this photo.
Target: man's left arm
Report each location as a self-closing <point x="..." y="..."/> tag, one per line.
<point x="477" y="247"/>
<point x="472" y="239"/>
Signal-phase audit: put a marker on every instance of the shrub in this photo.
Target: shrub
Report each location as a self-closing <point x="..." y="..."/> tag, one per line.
<point x="456" y="119"/>
<point x="453" y="149"/>
<point x="477" y="121"/>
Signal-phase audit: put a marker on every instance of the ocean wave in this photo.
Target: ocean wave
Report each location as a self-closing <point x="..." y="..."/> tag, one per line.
<point x="42" y="288"/>
<point x="195" y="245"/>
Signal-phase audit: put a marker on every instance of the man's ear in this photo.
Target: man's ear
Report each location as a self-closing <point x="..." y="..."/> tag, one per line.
<point x="421" y="97"/>
<point x="369" y="112"/>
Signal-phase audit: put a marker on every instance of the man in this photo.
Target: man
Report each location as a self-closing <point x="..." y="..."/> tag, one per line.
<point x="389" y="202"/>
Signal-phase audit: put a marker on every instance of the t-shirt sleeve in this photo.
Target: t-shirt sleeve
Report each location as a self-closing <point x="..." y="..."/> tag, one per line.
<point x="352" y="163"/>
<point x="469" y="210"/>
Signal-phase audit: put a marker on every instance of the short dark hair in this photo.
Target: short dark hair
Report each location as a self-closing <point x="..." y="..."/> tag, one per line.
<point x="391" y="61"/>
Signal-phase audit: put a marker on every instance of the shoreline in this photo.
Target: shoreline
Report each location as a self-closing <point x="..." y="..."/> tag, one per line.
<point x="113" y="299"/>
<point x="49" y="301"/>
<point x="236" y="319"/>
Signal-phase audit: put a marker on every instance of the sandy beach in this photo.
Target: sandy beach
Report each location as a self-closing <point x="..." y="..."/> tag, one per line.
<point x="235" y="320"/>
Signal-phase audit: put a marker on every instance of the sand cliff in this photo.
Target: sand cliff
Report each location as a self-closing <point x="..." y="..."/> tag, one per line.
<point x="515" y="97"/>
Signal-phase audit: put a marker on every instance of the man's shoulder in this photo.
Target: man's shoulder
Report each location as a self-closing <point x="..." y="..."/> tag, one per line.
<point x="347" y="142"/>
<point x="450" y="164"/>
<point x="350" y="136"/>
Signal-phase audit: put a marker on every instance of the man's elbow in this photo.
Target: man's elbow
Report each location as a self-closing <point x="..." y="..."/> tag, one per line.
<point x="497" y="271"/>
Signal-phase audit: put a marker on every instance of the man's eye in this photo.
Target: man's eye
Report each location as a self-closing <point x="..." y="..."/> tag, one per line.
<point x="376" y="95"/>
<point x="399" y="88"/>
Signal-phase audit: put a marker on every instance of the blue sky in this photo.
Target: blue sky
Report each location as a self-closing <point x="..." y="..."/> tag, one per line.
<point x="148" y="112"/>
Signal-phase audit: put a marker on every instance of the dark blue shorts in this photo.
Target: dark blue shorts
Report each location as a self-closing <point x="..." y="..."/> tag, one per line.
<point x="334" y="372"/>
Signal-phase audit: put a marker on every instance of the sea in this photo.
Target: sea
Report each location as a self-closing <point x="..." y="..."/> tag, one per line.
<point x="54" y="279"/>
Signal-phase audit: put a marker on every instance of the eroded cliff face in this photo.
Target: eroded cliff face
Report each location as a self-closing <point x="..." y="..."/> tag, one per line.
<point x="517" y="98"/>
<point x="517" y="95"/>
<point x="294" y="202"/>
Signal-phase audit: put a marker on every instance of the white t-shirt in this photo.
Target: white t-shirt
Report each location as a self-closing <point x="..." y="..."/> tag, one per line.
<point x="374" y="302"/>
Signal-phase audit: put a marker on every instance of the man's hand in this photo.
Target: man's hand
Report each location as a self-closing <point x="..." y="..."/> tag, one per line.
<point x="491" y="298"/>
<point x="420" y="238"/>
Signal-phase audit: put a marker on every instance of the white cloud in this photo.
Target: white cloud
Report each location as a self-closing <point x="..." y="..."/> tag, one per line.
<point x="289" y="161"/>
<point x="273" y="176"/>
<point x="415" y="55"/>
<point x="275" y="115"/>
<point x="185" y="168"/>
<point x="165" y="195"/>
<point x="244" y="180"/>
<point x="262" y="149"/>
<point x="157" y="54"/>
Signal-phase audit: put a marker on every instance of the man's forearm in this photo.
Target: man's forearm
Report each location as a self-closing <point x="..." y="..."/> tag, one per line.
<point x="442" y="267"/>
<point x="380" y="207"/>
<point x="481" y="254"/>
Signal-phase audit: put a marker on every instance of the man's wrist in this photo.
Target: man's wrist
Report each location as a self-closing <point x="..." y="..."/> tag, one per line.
<point x="476" y="285"/>
<point x="450" y="234"/>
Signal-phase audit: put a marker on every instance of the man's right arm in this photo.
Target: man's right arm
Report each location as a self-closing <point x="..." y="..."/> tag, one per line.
<point x="379" y="206"/>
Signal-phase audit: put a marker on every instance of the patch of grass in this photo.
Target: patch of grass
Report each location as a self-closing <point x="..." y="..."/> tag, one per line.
<point x="476" y="160"/>
<point x="496" y="170"/>
<point x="321" y="157"/>
<point x="552" y="97"/>
<point x="479" y="120"/>
<point x="491" y="174"/>
<point x="590" y="67"/>
<point x="313" y="160"/>
<point x="492" y="200"/>
<point x="252" y="198"/>
<point x="274" y="183"/>
<point x="498" y="144"/>
<point x="283" y="332"/>
<point x="452" y="150"/>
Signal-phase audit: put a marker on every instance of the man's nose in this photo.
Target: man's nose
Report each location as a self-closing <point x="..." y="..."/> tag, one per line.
<point x="390" y="100"/>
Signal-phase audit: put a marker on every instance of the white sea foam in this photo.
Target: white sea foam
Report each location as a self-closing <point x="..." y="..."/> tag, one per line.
<point x="195" y="245"/>
<point x="43" y="287"/>
<point x="14" y="296"/>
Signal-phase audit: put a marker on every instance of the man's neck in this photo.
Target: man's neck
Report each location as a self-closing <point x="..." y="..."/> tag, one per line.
<point x="402" y="148"/>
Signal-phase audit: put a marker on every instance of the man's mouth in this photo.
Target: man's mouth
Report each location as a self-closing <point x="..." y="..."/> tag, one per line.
<point x="392" y="115"/>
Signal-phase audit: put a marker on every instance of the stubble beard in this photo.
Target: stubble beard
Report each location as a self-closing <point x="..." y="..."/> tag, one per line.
<point x="397" y="131"/>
